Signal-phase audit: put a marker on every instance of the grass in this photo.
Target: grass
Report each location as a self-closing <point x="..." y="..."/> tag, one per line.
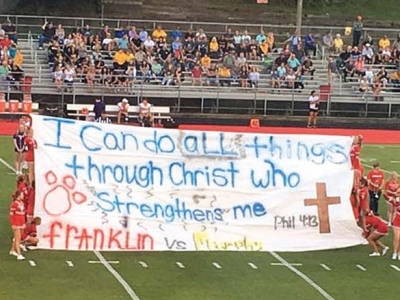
<point x="53" y="279"/>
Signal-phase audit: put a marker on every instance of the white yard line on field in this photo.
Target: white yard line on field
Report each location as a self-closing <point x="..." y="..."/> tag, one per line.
<point x="32" y="263"/>
<point x="253" y="266"/>
<point x="126" y="286"/>
<point x="302" y="276"/>
<point x="100" y="262"/>
<point x="143" y="264"/>
<point x="8" y="166"/>
<point x="361" y="268"/>
<point x="180" y="265"/>
<point x="105" y="263"/>
<point x="283" y="265"/>
<point x="395" y="267"/>
<point x="69" y="263"/>
<point x="216" y="265"/>
<point x="325" y="267"/>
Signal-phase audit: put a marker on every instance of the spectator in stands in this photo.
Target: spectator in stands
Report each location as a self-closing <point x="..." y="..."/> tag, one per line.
<point x="197" y="73"/>
<point x="310" y="44"/>
<point x="120" y="60"/>
<point x="368" y="54"/>
<point x="69" y="76"/>
<point x="384" y="43"/>
<point x="91" y="78"/>
<point x="159" y="33"/>
<point x="293" y="63"/>
<point x="11" y="30"/>
<point x="357" y="31"/>
<point x="369" y="75"/>
<point x="60" y="34"/>
<point x="90" y="117"/>
<point x="328" y="41"/>
<point x="123" y="110"/>
<point x="15" y="76"/>
<point x="49" y="31"/>
<point x="145" y="116"/>
<point x="382" y="76"/>
<point x="293" y="41"/>
<point x="364" y="86"/>
<point x="58" y="77"/>
<point x="359" y="66"/>
<point x="307" y="68"/>
<point x="338" y="43"/>
<point x="348" y="70"/>
<point x="108" y="43"/>
<point x="4" y="70"/>
<point x="254" y="77"/>
<point x="143" y="34"/>
<point x="332" y="69"/>
<point x="87" y="35"/>
<point x="98" y="108"/>
<point x="225" y="76"/>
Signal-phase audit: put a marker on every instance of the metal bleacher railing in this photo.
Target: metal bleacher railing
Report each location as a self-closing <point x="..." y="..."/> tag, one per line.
<point x="260" y="100"/>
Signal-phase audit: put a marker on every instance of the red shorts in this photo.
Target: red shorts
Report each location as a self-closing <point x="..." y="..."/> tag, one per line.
<point x="18" y="221"/>
<point x="382" y="229"/>
<point x="396" y="221"/>
<point x="29" y="157"/>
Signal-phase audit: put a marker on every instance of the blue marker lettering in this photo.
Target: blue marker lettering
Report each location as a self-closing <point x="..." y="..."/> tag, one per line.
<point x="84" y="138"/>
<point x="58" y="132"/>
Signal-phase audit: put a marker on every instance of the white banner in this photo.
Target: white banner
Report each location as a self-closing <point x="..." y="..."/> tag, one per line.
<point x="123" y="188"/>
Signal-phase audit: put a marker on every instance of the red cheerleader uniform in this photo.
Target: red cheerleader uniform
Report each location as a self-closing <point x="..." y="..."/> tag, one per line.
<point x="17" y="214"/>
<point x="396" y="205"/>
<point x="392" y="188"/>
<point x="30" y="149"/>
<point x="374" y="222"/>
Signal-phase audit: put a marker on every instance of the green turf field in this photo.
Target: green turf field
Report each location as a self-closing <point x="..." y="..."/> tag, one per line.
<point x="342" y="274"/>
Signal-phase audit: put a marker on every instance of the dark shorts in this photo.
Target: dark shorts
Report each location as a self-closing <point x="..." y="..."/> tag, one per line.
<point x="16" y="151"/>
<point x="313" y="110"/>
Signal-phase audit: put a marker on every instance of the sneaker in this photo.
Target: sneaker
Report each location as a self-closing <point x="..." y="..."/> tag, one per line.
<point x="20" y="257"/>
<point x="13" y="253"/>
<point x="398" y="256"/>
<point x="384" y="251"/>
<point x="23" y="248"/>
<point x="375" y="254"/>
<point x="394" y="256"/>
<point x="25" y="165"/>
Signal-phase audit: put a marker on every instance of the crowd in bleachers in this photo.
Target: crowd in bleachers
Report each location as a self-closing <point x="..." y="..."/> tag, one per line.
<point x="11" y="72"/>
<point x="117" y="58"/>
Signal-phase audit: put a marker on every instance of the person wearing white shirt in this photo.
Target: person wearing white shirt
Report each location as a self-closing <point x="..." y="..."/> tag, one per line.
<point x="246" y="38"/>
<point x="313" y="102"/>
<point x="145" y="116"/>
<point x="69" y="75"/>
<point x="123" y="110"/>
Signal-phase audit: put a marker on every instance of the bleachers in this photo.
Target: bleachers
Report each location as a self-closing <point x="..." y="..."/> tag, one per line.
<point x="159" y="112"/>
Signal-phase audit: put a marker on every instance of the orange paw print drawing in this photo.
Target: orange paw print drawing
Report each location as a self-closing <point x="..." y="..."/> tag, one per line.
<point x="60" y="198"/>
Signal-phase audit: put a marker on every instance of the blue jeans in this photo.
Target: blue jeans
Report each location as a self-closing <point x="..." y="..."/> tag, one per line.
<point x="374" y="201"/>
<point x="43" y="39"/>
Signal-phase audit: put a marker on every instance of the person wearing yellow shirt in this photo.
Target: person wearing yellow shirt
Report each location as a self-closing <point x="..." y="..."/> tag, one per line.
<point x="338" y="43"/>
<point x="271" y="40"/>
<point x="205" y="62"/>
<point x="18" y="59"/>
<point x="384" y="42"/>
<point x="264" y="48"/>
<point x="224" y="75"/>
<point x="214" y="48"/>
<point x="159" y="33"/>
<point x="120" y="60"/>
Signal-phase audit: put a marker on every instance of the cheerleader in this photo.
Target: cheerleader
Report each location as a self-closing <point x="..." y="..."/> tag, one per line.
<point x="19" y="148"/>
<point x="392" y="189"/>
<point x="31" y="145"/>
<point x="375" y="229"/>
<point x="395" y="201"/>
<point x="30" y="202"/>
<point x="29" y="235"/>
<point x="17" y="220"/>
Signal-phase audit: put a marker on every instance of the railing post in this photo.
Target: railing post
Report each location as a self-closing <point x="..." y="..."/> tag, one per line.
<point x="328" y="106"/>
<point x="179" y="99"/>
<point x="390" y="110"/>
<point x="265" y="106"/>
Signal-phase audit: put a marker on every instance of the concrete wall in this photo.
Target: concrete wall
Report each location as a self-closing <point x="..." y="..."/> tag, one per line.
<point x="7" y="5"/>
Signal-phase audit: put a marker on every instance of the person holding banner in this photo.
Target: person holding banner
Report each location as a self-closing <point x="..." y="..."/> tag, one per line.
<point x="363" y="203"/>
<point x="376" y="182"/>
<point x="30" y="201"/>
<point x="355" y="154"/>
<point x="375" y="229"/>
<point x="31" y="145"/>
<point x="17" y="221"/>
<point x="392" y="190"/>
<point x="395" y="201"/>
<point x="354" y="199"/>
<point x="313" y="101"/>
<point x="29" y="235"/>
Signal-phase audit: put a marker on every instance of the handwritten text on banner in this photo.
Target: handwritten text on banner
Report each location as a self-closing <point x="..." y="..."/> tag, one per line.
<point x="124" y="188"/>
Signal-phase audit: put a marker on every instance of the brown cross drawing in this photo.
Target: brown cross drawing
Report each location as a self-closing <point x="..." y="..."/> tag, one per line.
<point x="322" y="202"/>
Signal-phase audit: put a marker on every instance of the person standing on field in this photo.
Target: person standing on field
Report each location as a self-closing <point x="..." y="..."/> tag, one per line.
<point x="313" y="102"/>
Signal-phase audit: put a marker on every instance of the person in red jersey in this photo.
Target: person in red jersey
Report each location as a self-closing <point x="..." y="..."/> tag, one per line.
<point x="375" y="229"/>
<point x="395" y="201"/>
<point x="355" y="153"/>
<point x="30" y="202"/>
<point x="354" y="194"/>
<point x="29" y="235"/>
<point x="31" y="145"/>
<point x="392" y="189"/>
<point x="376" y="183"/>
<point x="362" y="195"/>
<point x="17" y="220"/>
